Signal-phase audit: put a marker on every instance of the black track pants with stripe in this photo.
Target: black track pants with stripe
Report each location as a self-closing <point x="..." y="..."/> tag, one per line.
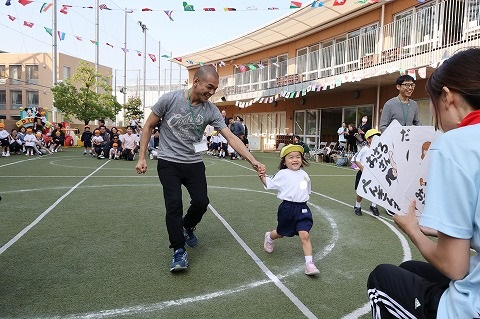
<point x="411" y="290"/>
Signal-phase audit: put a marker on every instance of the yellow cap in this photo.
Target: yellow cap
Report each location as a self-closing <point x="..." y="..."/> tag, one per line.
<point x="372" y="132"/>
<point x="291" y="148"/>
<point x="2" y="125"/>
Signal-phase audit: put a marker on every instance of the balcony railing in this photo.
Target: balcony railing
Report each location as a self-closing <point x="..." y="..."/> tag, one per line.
<point x="417" y="40"/>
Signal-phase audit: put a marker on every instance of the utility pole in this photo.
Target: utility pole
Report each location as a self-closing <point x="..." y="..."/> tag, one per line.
<point x="144" y="30"/>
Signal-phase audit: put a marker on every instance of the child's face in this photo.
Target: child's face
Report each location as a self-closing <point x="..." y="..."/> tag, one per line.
<point x="293" y="161"/>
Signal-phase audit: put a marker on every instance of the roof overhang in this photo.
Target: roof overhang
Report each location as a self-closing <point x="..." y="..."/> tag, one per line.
<point x="298" y="24"/>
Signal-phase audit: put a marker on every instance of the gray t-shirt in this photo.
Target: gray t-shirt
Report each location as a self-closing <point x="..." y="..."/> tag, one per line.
<point x="405" y="113"/>
<point x="178" y="132"/>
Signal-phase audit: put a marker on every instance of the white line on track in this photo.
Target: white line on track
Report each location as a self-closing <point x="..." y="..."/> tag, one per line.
<point x="265" y="269"/>
<point x="42" y="215"/>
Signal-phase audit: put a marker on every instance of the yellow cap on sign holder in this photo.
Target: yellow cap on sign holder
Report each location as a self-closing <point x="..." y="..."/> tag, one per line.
<point x="372" y="132"/>
<point x="291" y="148"/>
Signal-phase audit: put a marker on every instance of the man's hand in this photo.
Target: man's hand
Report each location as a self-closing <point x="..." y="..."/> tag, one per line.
<point x="259" y="167"/>
<point x="141" y="166"/>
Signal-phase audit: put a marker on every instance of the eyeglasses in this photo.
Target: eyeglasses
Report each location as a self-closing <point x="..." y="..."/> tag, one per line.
<point x="409" y="85"/>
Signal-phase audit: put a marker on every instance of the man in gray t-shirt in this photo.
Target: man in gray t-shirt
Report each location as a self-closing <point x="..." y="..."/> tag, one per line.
<point x="401" y="108"/>
<point x="184" y="114"/>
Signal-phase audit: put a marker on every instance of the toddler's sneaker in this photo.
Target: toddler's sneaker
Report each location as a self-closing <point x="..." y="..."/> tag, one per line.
<point x="267" y="245"/>
<point x="311" y="269"/>
<point x="374" y="210"/>
<point x="179" y="260"/>
<point x="190" y="239"/>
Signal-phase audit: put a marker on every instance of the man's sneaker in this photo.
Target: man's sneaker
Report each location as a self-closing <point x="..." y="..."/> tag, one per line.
<point x="267" y="245"/>
<point x="390" y="213"/>
<point x="190" y="239"/>
<point x="179" y="260"/>
<point x="358" y="211"/>
<point x="374" y="210"/>
<point x="310" y="269"/>
<point x="101" y="156"/>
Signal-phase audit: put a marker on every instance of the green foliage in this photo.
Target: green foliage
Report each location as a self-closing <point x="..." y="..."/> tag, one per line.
<point x="77" y="96"/>
<point x="134" y="107"/>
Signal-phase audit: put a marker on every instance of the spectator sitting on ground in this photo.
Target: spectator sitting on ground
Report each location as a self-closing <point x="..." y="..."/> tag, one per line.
<point x="153" y="144"/>
<point x="130" y="144"/>
<point x="106" y="138"/>
<point x="97" y="141"/>
<point x="16" y="143"/>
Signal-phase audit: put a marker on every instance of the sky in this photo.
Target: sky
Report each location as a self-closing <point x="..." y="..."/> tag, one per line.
<point x="189" y="31"/>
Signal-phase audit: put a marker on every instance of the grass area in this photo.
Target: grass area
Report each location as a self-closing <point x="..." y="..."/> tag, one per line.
<point x="99" y="247"/>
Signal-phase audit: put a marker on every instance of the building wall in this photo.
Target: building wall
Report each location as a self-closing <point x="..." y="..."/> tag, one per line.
<point x="42" y="85"/>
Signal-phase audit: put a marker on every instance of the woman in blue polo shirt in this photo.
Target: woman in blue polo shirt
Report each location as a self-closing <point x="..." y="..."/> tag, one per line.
<point x="448" y="284"/>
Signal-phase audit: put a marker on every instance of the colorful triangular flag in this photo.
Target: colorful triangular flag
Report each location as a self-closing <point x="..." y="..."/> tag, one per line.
<point x="153" y="57"/>
<point x="187" y="7"/>
<point x="11" y="17"/>
<point x="24" y="2"/>
<point x="28" y="24"/>
<point x="169" y="14"/>
<point x="45" y="7"/>
<point x="48" y="30"/>
<point x="295" y="4"/>
<point x="61" y="35"/>
<point x="339" y="2"/>
<point x="7" y="3"/>
<point x="208" y="9"/>
<point x="109" y="45"/>
<point x="94" y="42"/>
<point x="317" y="4"/>
<point x="146" y="9"/>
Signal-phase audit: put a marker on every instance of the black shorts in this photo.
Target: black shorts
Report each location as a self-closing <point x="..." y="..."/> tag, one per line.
<point x="293" y="217"/>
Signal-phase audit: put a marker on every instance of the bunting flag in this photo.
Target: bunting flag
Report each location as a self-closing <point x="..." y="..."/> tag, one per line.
<point x="65" y="8"/>
<point x="7" y="3"/>
<point x="146" y="9"/>
<point x="28" y="24"/>
<point x="94" y="42"/>
<point x="251" y="8"/>
<point x="45" y="7"/>
<point x="110" y="45"/>
<point x="260" y="66"/>
<point x="208" y="9"/>
<point x="24" y="2"/>
<point x="61" y="35"/>
<point x="339" y="2"/>
<point x="139" y="53"/>
<point x="125" y="50"/>
<point x="187" y="7"/>
<point x="295" y="5"/>
<point x="251" y="66"/>
<point x="48" y="30"/>
<point x="104" y="7"/>
<point x="242" y="68"/>
<point x="169" y="14"/>
<point x="189" y="61"/>
<point x="179" y="59"/>
<point x="317" y="4"/>
<point x="229" y="9"/>
<point x="78" y="38"/>
<point x="11" y="17"/>
<point x="166" y="56"/>
<point x="221" y="64"/>
<point x="273" y="8"/>
<point x="153" y="57"/>
<point x="412" y="74"/>
<point x="128" y="11"/>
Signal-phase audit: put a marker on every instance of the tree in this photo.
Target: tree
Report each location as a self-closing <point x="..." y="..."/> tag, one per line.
<point x="77" y="96"/>
<point x="134" y="107"/>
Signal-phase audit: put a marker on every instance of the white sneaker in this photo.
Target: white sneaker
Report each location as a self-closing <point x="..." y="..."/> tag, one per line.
<point x="3" y="154"/>
<point x="268" y="246"/>
<point x="8" y="154"/>
<point x="311" y="269"/>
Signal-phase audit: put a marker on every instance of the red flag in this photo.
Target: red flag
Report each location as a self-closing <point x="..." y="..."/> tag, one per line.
<point x="24" y="2"/>
<point x="11" y="17"/>
<point x="153" y="57"/>
<point x="147" y="9"/>
<point x="78" y="38"/>
<point x="339" y="2"/>
<point x="242" y="68"/>
<point x="208" y="9"/>
<point x="28" y="24"/>
<point x="179" y="59"/>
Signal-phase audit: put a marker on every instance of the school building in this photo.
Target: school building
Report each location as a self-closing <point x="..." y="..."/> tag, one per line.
<point x="26" y="81"/>
<point x="309" y="71"/>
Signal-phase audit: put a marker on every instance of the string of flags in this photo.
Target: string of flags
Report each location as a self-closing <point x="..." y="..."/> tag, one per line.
<point x="323" y="86"/>
<point x="190" y="7"/>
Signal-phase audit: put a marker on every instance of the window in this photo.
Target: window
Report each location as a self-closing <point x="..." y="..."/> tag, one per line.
<point x="32" y="74"/>
<point x="32" y="99"/>
<point x="16" y="100"/>
<point x="3" y="99"/>
<point x="66" y="72"/>
<point x="3" y="75"/>
<point x="15" y="74"/>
